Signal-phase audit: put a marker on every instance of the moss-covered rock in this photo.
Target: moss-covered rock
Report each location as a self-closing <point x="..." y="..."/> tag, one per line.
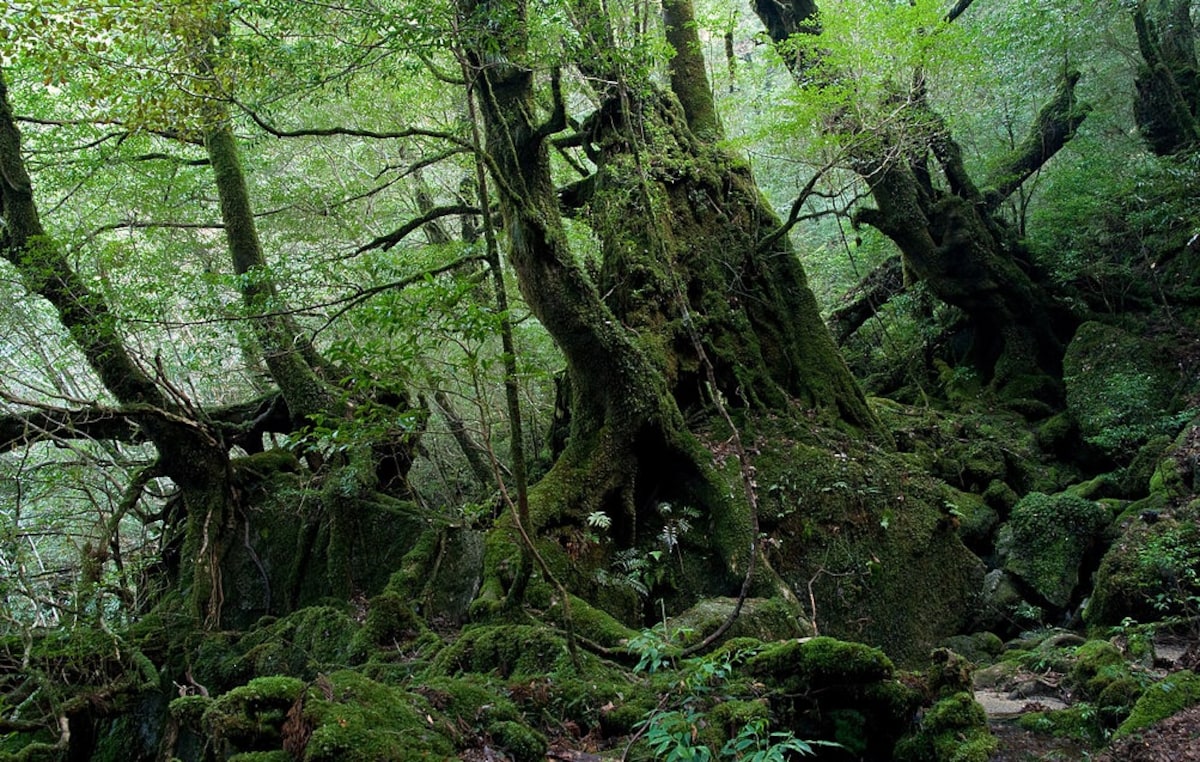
<point x="955" y="729"/>
<point x="1050" y="535"/>
<point x="765" y="619"/>
<point x="1098" y="664"/>
<point x="1118" y="390"/>
<point x="1173" y="693"/>
<point x="354" y="719"/>
<point x="1149" y="572"/>
<point x="833" y="690"/>
<point x="313" y="639"/>
<point x="1078" y="723"/>
<point x="980" y="648"/>
<point x="250" y="717"/>
<point x="520" y="742"/>
<point x="507" y="651"/>
<point x="874" y="540"/>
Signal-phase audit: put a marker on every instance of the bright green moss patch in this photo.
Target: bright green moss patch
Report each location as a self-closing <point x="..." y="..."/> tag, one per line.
<point x="250" y="716"/>
<point x="521" y="743"/>
<point x="1161" y="700"/>
<point x="188" y="710"/>
<point x="821" y="661"/>
<point x="953" y="730"/>
<point x="509" y="651"/>
<point x="366" y="721"/>
<point x="1081" y="722"/>
<point x="1097" y="664"/>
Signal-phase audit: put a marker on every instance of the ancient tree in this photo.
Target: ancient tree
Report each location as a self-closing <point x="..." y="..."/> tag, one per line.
<point x="946" y="223"/>
<point x="699" y="304"/>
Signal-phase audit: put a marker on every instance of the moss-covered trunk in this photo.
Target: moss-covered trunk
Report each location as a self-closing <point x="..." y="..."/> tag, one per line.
<point x="697" y="312"/>
<point x="191" y="453"/>
<point x="950" y="237"/>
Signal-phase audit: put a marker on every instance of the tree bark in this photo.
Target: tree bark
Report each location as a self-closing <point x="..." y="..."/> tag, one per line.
<point x="1168" y="81"/>
<point x="190" y="451"/>
<point x="951" y="238"/>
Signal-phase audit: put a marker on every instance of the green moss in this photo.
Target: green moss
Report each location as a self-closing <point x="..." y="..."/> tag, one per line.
<point x="1057" y="434"/>
<point x="1050" y="535"/>
<point x="1148" y="573"/>
<point x="1173" y="693"/>
<point x="1117" y="388"/>
<point x="521" y="743"/>
<point x="1136" y="477"/>
<point x="390" y="622"/>
<point x="313" y="639"/>
<point x="595" y="624"/>
<point x="468" y="701"/>
<point x="366" y="721"/>
<point x="250" y="716"/>
<point x="1102" y="486"/>
<point x="189" y="710"/>
<point x="820" y="661"/>
<point x="1117" y="700"/>
<point x="1079" y="723"/>
<point x="953" y="730"/>
<point x="1000" y="497"/>
<point x="980" y="647"/>
<point x="763" y="619"/>
<point x="261" y="756"/>
<point x="725" y="720"/>
<point x="1098" y="663"/>
<point x="509" y="651"/>
<point x="874" y="537"/>
<point x="949" y="673"/>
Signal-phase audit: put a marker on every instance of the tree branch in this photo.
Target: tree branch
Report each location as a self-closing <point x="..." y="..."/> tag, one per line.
<point x="46" y="423"/>
<point x="412" y="132"/>
<point x="1053" y="127"/>
<point x="386" y="242"/>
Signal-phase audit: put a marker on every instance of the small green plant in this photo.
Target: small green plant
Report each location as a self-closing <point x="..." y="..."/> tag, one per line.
<point x="755" y="743"/>
<point x="675" y="734"/>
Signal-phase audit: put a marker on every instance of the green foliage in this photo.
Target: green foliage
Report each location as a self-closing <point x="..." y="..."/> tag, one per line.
<point x="691" y="729"/>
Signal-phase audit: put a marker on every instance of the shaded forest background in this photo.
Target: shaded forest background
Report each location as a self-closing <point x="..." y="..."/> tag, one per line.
<point x="477" y="369"/>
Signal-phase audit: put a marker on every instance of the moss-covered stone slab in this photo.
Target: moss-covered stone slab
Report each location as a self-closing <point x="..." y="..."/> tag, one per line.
<point x="1049" y="536"/>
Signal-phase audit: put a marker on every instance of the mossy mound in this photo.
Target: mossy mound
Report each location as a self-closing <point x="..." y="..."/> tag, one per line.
<point x="765" y="619"/>
<point x="872" y="539"/>
<point x="1078" y="723"/>
<point x="1098" y="664"/>
<point x="1118" y="389"/>
<point x="1150" y="571"/>
<point x="1048" y="537"/>
<point x="1173" y="693"/>
<point x="313" y="639"/>
<point x="250" y="717"/>
<point x="955" y="729"/>
<point x="832" y="690"/>
<point x="506" y="651"/>
<point x="354" y="719"/>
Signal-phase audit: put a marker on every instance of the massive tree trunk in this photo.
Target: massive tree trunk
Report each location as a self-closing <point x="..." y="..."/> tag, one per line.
<point x="703" y="306"/>
<point x="951" y="237"/>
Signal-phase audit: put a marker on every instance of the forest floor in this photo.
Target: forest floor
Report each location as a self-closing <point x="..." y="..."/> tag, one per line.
<point x="1175" y="739"/>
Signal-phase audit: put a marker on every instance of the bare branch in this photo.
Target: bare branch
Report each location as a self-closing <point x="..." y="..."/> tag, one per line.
<point x="386" y="242"/>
